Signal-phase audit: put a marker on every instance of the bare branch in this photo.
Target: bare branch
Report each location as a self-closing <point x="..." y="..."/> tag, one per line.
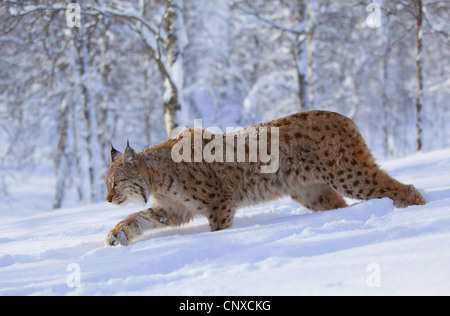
<point x="131" y="14"/>
<point x="267" y="21"/>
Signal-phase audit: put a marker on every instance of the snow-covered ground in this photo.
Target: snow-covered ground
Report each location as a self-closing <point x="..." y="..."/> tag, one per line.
<point x="279" y="248"/>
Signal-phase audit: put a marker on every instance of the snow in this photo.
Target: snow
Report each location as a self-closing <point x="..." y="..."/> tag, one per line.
<point x="278" y="248"/>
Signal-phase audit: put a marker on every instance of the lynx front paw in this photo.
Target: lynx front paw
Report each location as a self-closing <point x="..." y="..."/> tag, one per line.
<point x="117" y="237"/>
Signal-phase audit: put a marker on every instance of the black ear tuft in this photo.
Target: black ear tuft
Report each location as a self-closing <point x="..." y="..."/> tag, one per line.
<point x="130" y="155"/>
<point x="115" y="154"/>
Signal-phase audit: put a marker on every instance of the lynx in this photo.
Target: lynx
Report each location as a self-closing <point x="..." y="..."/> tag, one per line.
<point x="322" y="157"/>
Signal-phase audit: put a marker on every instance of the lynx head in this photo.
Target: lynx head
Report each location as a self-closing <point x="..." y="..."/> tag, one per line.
<point x="124" y="180"/>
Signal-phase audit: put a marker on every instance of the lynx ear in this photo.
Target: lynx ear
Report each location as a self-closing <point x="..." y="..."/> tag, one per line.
<point x="115" y="154"/>
<point x="130" y="155"/>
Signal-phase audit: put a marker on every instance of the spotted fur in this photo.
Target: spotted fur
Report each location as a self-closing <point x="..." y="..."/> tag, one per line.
<point x="322" y="157"/>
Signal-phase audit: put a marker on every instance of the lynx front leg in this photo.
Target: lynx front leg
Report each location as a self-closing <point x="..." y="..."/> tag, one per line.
<point x="221" y="215"/>
<point x="135" y="224"/>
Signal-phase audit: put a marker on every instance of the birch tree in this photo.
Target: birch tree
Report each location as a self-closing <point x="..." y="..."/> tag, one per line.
<point x="174" y="44"/>
<point x="300" y="36"/>
<point x="419" y="15"/>
<point x="422" y="26"/>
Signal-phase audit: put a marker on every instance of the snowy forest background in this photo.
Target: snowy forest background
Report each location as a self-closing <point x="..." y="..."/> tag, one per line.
<point x="136" y="69"/>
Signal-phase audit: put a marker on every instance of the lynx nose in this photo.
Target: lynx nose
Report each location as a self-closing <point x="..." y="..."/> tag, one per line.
<point x="109" y="198"/>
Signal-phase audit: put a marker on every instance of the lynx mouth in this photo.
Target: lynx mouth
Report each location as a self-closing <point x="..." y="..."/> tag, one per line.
<point x="121" y="202"/>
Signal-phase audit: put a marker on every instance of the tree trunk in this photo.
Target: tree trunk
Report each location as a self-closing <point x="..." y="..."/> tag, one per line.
<point x="61" y="163"/>
<point x="87" y="112"/>
<point x="174" y="45"/>
<point x="310" y="52"/>
<point x="147" y="110"/>
<point x="387" y="108"/>
<point x="303" y="53"/>
<point x="386" y="125"/>
<point x="103" y="109"/>
<point x="419" y="62"/>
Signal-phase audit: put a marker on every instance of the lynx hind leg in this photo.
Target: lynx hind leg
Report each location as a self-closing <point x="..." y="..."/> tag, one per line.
<point x="352" y="170"/>
<point x="318" y="197"/>
<point x="409" y="196"/>
<point x="374" y="183"/>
